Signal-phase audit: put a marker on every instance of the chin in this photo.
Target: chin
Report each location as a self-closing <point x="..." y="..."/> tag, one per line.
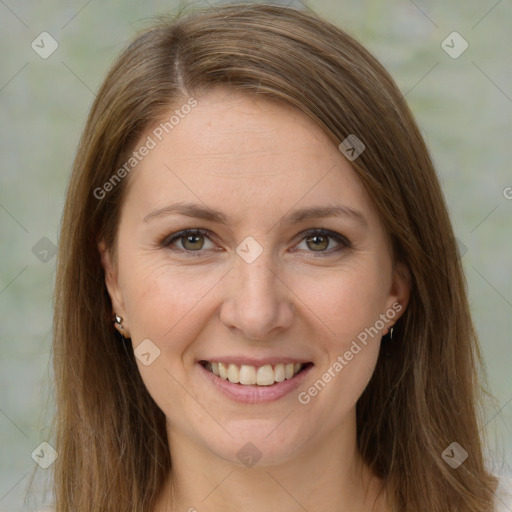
<point x="259" y="442"/>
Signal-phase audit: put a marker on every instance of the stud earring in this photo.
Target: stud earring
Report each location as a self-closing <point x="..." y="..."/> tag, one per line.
<point x="118" y="324"/>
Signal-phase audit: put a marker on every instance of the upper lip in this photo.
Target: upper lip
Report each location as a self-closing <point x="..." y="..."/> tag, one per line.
<point x="253" y="361"/>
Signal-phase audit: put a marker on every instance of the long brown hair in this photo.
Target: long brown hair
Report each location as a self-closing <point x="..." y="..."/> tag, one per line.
<point x="110" y="435"/>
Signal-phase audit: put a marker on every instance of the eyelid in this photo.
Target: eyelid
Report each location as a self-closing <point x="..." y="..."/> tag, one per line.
<point x="325" y="232"/>
<point x="342" y="241"/>
<point x="182" y="234"/>
<point x="339" y="238"/>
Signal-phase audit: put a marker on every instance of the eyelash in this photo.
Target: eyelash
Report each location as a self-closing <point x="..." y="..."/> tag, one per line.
<point x="168" y="240"/>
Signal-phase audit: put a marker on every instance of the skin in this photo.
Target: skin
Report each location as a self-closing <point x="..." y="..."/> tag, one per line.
<point x="255" y="160"/>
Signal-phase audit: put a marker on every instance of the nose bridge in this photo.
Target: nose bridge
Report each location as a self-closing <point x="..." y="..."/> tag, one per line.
<point x="257" y="279"/>
<point x="257" y="301"/>
<point x="254" y="263"/>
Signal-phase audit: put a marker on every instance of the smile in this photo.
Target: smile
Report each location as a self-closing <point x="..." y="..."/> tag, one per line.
<point x="251" y="384"/>
<point x="248" y="375"/>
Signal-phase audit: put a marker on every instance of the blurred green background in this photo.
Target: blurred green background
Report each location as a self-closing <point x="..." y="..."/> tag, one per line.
<point x="463" y="106"/>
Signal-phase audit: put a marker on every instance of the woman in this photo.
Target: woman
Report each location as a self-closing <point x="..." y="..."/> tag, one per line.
<point x="207" y="357"/>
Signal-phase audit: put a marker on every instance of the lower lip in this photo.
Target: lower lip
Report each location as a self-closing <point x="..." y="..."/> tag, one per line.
<point x="255" y="394"/>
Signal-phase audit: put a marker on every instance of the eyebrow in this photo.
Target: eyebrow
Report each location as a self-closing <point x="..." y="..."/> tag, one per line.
<point x="295" y="217"/>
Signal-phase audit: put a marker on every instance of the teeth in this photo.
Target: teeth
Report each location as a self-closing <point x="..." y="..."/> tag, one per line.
<point x="279" y="373"/>
<point x="249" y="375"/>
<point x="223" y="371"/>
<point x="265" y="376"/>
<point x="234" y="374"/>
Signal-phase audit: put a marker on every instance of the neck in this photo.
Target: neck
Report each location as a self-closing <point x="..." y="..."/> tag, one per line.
<point x="324" y="476"/>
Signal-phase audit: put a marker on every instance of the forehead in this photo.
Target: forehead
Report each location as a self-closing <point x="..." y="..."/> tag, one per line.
<point x="233" y="150"/>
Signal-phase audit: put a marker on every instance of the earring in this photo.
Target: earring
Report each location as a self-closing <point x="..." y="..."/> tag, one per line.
<point x="388" y="346"/>
<point x="389" y="332"/>
<point x="118" y="324"/>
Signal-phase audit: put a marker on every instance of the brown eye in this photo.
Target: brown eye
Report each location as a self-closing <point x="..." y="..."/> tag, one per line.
<point x="188" y="241"/>
<point x="317" y="242"/>
<point x="323" y="242"/>
<point x="192" y="242"/>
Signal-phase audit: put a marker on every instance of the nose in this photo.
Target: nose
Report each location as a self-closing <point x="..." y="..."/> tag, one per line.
<point x="258" y="303"/>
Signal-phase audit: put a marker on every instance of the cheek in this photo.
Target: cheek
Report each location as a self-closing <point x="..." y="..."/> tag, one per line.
<point x="350" y="344"/>
<point x="169" y="307"/>
<point x="164" y="303"/>
<point x="348" y="306"/>
<point x="346" y="303"/>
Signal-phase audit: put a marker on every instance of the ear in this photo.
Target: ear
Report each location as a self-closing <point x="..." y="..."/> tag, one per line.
<point x="111" y="281"/>
<point x="400" y="290"/>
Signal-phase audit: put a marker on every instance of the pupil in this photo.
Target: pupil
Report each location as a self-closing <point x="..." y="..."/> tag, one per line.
<point x="192" y="239"/>
<point x="320" y="241"/>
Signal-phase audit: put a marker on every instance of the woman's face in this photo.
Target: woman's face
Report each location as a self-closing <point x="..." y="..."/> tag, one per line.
<point x="271" y="278"/>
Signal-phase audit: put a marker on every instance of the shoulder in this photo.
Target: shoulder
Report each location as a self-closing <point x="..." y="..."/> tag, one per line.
<point x="504" y="494"/>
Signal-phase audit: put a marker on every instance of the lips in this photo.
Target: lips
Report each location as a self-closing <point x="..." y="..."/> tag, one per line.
<point x="252" y="394"/>
<point x="248" y="374"/>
